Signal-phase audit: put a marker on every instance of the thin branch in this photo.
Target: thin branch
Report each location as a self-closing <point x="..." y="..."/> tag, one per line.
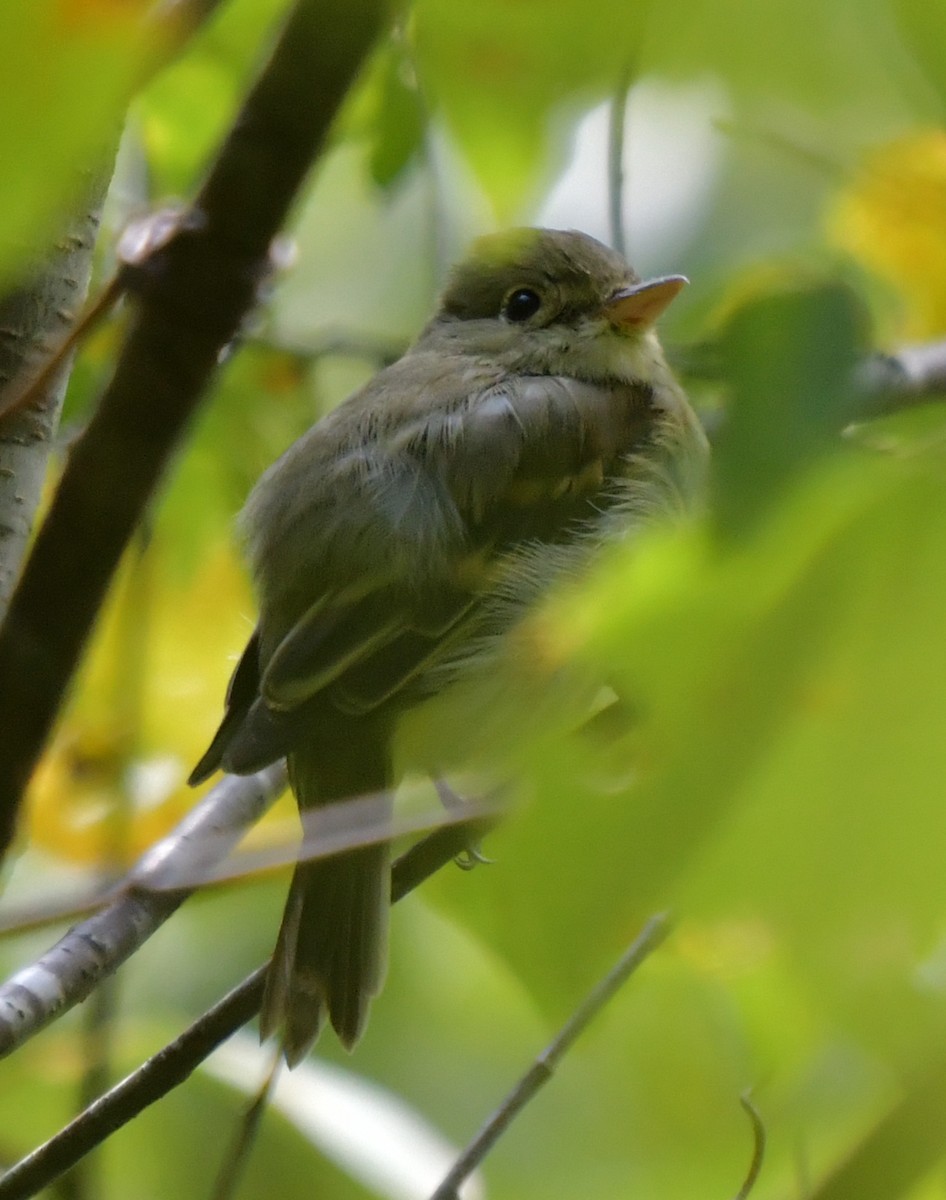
<point x="31" y="917"/>
<point x="334" y="829"/>
<point x="238" y="1152"/>
<point x="378" y="351"/>
<point x="193" y="295"/>
<point x="911" y="376"/>
<point x="651" y="936"/>
<point x="617" y="123"/>
<point x="152" y="1080"/>
<point x="211" y="864"/>
<point x="883" y="383"/>
<point x="172" y="1065"/>
<point x="196" y="853"/>
<point x="758" y="1146"/>
<point x="68" y="972"/>
<point x="30" y="392"/>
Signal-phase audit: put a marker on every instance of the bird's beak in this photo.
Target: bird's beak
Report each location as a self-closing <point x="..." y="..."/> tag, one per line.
<point x="634" y="307"/>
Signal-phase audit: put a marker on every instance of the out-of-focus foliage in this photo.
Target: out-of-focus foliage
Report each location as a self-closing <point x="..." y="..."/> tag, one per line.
<point x="768" y="758"/>
<point x="113" y="780"/>
<point x="892" y="218"/>
<point x="69" y="70"/>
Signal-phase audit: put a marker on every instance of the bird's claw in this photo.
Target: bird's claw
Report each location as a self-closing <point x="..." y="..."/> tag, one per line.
<point x="472" y="857"/>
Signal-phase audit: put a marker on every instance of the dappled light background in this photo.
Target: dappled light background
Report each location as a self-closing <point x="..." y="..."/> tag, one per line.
<point x="774" y="772"/>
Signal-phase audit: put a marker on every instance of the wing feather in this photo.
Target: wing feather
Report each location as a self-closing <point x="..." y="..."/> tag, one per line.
<point x="376" y="568"/>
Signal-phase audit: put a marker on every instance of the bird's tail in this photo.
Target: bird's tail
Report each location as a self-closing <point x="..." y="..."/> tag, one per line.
<point x="331" y="951"/>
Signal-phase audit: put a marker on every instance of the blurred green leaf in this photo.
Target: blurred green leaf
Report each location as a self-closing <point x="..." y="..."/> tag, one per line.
<point x="781" y="756"/>
<point x="789" y="360"/>
<point x="68" y="71"/>
<point x="924" y="29"/>
<point x="499" y="74"/>
<point x="185" y="111"/>
<point x="400" y="122"/>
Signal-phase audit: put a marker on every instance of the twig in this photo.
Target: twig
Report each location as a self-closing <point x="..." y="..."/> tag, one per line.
<point x="172" y="1065"/>
<point x="32" y="391"/>
<point x="33" y="916"/>
<point x="345" y="826"/>
<point x="651" y="936"/>
<point x="913" y="375"/>
<point x="758" y="1146"/>
<point x="616" y="128"/>
<point x="883" y="383"/>
<point x="192" y="856"/>
<point x="231" y="1169"/>
<point x="152" y="1080"/>
<point x="195" y="294"/>
<point x="91" y="951"/>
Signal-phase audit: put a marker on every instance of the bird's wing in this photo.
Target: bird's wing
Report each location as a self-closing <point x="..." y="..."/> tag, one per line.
<point x="428" y="517"/>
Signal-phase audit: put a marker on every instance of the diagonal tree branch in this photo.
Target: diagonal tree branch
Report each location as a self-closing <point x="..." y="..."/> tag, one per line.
<point x="70" y="970"/>
<point x="192" y="296"/>
<point x="195" y="853"/>
<point x="172" y="1065"/>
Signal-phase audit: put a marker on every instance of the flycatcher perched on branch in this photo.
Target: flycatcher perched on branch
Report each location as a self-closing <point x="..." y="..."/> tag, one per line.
<point x="533" y="420"/>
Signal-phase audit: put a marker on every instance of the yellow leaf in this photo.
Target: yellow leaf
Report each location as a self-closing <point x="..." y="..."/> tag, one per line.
<point x="146" y="705"/>
<point x="892" y="219"/>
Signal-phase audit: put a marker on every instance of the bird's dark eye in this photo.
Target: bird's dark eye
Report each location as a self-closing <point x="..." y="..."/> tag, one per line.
<point x="521" y="304"/>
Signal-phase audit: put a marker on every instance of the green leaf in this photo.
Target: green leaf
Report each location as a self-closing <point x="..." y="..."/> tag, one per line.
<point x="500" y="75"/>
<point x="783" y="760"/>
<point x="924" y="29"/>
<point x="68" y="72"/>
<point x="400" y="121"/>
<point x="789" y="358"/>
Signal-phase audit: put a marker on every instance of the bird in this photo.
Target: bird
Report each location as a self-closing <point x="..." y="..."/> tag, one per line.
<point x="410" y="529"/>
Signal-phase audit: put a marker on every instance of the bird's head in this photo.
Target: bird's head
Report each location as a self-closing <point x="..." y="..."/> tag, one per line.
<point x="548" y="301"/>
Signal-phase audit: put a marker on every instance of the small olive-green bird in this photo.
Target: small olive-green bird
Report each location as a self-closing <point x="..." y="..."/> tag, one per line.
<point x="532" y="421"/>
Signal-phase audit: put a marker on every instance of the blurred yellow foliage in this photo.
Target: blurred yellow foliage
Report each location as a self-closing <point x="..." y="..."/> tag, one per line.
<point x="98" y="16"/>
<point x="147" y="703"/>
<point x="892" y="219"/>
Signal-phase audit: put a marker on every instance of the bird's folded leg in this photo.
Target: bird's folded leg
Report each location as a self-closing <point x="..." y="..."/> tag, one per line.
<point x="472" y="856"/>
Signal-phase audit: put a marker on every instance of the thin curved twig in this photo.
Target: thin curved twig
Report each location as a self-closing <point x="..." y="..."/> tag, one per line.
<point x="758" y="1146"/>
<point x="617" y="124"/>
<point x="651" y="936"/>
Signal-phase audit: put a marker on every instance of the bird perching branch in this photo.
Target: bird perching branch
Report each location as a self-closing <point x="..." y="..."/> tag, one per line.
<point x="172" y="1065"/>
<point x="195" y="854"/>
<point x="192" y="295"/>
<point x="92" y="950"/>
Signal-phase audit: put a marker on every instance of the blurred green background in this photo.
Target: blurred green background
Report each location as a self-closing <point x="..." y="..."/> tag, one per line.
<point x="781" y="785"/>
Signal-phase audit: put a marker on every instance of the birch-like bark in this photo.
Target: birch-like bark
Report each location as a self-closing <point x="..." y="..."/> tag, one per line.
<point x="92" y="950"/>
<point x="34" y="317"/>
